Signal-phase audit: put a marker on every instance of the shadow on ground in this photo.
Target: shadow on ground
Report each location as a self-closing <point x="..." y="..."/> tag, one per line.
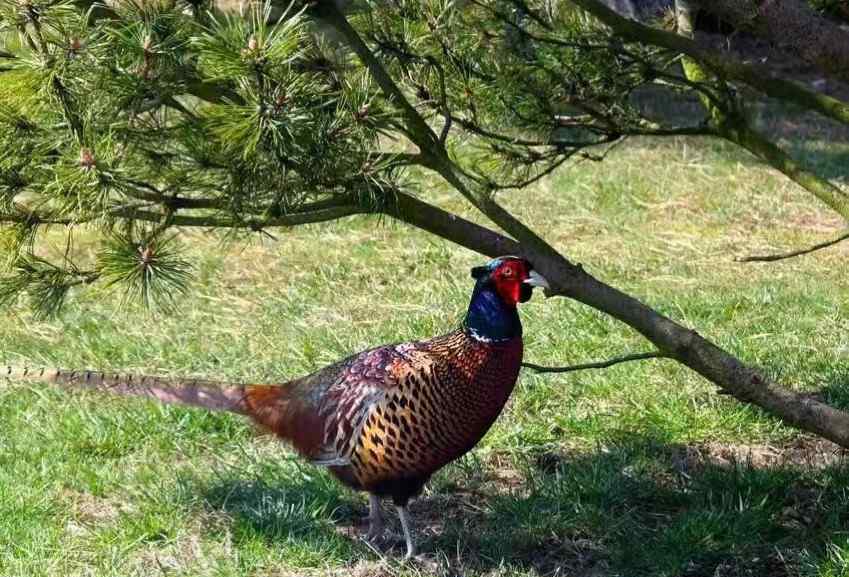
<point x="635" y="507"/>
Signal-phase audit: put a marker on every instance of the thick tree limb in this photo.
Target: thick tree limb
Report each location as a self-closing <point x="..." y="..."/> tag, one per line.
<point x="451" y="227"/>
<point x="179" y="220"/>
<point x="734" y="377"/>
<point x="791" y="25"/>
<point x="800" y="252"/>
<point x="596" y="365"/>
<point x="568" y="279"/>
<point x="722" y="64"/>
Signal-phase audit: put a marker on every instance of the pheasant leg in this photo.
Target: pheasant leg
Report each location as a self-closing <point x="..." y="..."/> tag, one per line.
<point x="375" y="518"/>
<point x="407" y="525"/>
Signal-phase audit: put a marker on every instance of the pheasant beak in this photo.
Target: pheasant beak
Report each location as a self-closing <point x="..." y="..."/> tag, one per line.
<point x="537" y="280"/>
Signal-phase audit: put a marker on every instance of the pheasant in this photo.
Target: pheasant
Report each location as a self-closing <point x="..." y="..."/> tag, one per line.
<point x="382" y="420"/>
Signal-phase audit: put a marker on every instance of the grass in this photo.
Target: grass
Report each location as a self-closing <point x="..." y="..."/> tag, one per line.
<point x="640" y="469"/>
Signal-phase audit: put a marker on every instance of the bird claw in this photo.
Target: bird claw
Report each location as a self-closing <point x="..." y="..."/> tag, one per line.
<point x="374" y="535"/>
<point x="423" y="561"/>
<point x="386" y="541"/>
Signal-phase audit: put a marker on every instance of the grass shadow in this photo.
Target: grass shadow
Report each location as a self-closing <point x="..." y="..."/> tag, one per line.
<point x="292" y="507"/>
<point x="637" y="506"/>
<point x="642" y="507"/>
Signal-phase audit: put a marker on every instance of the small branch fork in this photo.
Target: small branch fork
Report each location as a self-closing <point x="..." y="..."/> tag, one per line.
<point x="598" y="365"/>
<point x="800" y="252"/>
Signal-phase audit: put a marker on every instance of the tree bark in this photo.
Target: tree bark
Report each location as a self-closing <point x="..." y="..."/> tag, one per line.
<point x="734" y="377"/>
<point x="791" y="25"/>
<point x="570" y="280"/>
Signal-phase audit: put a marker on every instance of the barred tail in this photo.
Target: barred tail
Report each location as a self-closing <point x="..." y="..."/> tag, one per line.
<point x="212" y="395"/>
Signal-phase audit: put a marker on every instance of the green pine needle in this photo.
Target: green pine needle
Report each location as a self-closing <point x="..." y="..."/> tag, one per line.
<point x="150" y="270"/>
<point x="46" y="284"/>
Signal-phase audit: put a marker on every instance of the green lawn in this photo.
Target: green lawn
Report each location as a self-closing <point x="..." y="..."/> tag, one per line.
<point x="640" y="469"/>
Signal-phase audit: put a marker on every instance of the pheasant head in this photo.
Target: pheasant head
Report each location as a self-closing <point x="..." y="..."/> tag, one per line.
<point x="501" y="284"/>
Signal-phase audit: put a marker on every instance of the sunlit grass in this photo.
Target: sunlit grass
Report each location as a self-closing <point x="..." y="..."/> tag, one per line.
<point x="589" y="473"/>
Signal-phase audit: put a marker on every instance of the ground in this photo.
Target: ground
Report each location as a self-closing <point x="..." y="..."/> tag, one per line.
<point x="640" y="469"/>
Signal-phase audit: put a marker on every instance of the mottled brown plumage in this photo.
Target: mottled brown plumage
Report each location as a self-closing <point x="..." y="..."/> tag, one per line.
<point x="383" y="420"/>
<point x="386" y="419"/>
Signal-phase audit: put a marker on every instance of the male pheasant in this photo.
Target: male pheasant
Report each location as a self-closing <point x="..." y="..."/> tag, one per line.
<point x="383" y="420"/>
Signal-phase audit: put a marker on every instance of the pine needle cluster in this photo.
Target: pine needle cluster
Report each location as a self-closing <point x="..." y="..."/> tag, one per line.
<point x="134" y="118"/>
<point x="158" y="108"/>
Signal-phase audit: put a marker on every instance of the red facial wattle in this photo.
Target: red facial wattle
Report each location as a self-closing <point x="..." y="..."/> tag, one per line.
<point x="508" y="282"/>
<point x="509" y="290"/>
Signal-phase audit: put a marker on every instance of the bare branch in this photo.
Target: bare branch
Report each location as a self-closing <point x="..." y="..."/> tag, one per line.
<point x="148" y="192"/>
<point x="701" y="130"/>
<point x="599" y="364"/>
<point x="800" y="252"/>
<point x="33" y="218"/>
<point x="253" y="223"/>
<point x="476" y="128"/>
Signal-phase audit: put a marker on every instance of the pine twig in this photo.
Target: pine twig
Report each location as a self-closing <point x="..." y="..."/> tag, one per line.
<point x="599" y="364"/>
<point x="800" y="252"/>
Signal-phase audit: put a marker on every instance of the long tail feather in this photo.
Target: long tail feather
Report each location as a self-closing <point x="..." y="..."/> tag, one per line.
<point x="212" y="395"/>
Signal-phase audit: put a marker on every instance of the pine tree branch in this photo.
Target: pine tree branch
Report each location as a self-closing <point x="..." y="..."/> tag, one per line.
<point x="420" y="131"/>
<point x="34" y="218"/>
<point x="253" y="222"/>
<point x="743" y="382"/>
<point x="559" y="160"/>
<point x="145" y="191"/>
<point x="213" y="92"/>
<point x="701" y="130"/>
<point x="722" y="64"/>
<point x="320" y="211"/>
<point x="96" y="9"/>
<point x="597" y="365"/>
<point x="475" y="128"/>
<point x="399" y="158"/>
<point x="800" y="252"/>
<point x="433" y="152"/>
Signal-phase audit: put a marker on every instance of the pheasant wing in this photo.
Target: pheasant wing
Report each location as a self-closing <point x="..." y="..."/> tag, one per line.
<point x="346" y="406"/>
